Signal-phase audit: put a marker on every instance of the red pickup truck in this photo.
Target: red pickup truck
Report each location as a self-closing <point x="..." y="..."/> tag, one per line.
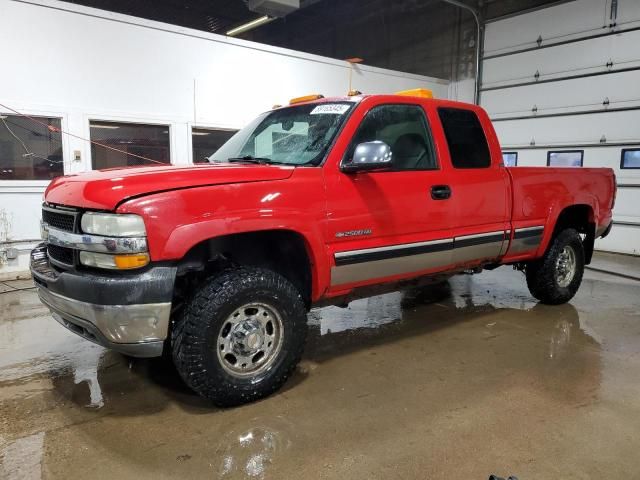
<point x="315" y="203"/>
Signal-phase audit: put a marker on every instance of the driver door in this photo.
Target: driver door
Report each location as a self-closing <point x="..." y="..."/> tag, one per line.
<point x="386" y="225"/>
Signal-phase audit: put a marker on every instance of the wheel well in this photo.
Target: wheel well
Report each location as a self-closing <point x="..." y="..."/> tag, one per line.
<point x="283" y="251"/>
<point x="582" y="219"/>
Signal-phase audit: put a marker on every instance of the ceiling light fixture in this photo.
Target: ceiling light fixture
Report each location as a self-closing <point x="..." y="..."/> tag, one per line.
<point x="250" y="25"/>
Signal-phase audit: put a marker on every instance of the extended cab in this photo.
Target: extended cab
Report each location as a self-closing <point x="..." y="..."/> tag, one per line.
<point x="314" y="203"/>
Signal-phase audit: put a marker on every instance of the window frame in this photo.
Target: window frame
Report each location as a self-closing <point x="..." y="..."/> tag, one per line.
<point x="510" y="153"/>
<point x="428" y="130"/>
<point x="88" y="118"/>
<point x="39" y="186"/>
<point x="622" y="152"/>
<point x="549" y="152"/>
<point x="482" y="129"/>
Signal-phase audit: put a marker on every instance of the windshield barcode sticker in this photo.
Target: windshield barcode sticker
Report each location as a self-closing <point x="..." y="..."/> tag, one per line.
<point x="332" y="108"/>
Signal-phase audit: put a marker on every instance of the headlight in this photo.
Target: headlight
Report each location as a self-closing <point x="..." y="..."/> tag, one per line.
<point x="113" y="225"/>
<point x="114" y="262"/>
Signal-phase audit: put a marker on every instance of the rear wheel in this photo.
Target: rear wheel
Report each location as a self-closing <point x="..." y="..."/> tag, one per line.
<point x="240" y="336"/>
<point x="556" y="277"/>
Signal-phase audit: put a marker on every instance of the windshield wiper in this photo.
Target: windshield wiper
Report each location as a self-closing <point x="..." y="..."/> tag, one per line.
<point x="251" y="159"/>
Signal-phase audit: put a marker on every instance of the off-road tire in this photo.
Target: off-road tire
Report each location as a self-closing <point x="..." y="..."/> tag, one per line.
<point x="194" y="336"/>
<point x="541" y="274"/>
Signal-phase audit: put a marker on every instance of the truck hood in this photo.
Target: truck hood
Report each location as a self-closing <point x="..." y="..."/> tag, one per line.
<point x="105" y="189"/>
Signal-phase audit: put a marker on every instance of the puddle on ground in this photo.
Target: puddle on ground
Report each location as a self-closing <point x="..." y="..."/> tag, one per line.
<point x="251" y="448"/>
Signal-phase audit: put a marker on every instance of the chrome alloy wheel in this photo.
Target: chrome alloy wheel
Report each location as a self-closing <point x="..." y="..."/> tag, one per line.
<point x="566" y="265"/>
<point x="250" y="340"/>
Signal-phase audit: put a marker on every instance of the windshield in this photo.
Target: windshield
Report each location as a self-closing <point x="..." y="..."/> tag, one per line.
<point x="297" y="135"/>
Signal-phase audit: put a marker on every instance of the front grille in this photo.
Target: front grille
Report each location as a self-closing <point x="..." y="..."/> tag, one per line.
<point x="61" y="220"/>
<point x="60" y="254"/>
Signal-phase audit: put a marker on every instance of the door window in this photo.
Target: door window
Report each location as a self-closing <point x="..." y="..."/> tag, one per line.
<point x="565" y="158"/>
<point x="630" y="158"/>
<point x="510" y="159"/>
<point x="402" y="127"/>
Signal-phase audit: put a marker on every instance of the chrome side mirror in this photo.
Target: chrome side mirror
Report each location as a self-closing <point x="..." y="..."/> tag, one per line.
<point x="369" y="156"/>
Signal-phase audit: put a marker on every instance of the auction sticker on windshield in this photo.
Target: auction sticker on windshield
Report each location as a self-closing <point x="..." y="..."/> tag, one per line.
<point x="333" y="108"/>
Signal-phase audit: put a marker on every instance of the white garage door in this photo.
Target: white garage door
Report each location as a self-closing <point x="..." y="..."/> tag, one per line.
<point x="567" y="79"/>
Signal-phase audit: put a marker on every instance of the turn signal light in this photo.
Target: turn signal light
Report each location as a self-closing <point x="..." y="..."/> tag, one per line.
<point x="306" y="98"/>
<point x="416" y="92"/>
<point x="114" y="262"/>
<point x="125" y="262"/>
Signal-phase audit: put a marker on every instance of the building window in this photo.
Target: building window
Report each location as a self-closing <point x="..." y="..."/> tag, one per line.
<point x="29" y="150"/>
<point x="206" y="141"/>
<point x="468" y="146"/>
<point x="630" y="158"/>
<point x="510" y="159"/>
<point x="134" y="144"/>
<point x="567" y="158"/>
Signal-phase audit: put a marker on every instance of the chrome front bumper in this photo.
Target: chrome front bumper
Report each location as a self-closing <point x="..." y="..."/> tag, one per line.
<point x="128" y="313"/>
<point x="136" y="330"/>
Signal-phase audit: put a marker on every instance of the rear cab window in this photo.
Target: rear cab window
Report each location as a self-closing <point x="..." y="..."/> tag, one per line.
<point x="467" y="142"/>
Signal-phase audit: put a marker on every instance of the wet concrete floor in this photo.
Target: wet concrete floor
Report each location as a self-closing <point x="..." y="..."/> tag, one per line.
<point x="456" y="381"/>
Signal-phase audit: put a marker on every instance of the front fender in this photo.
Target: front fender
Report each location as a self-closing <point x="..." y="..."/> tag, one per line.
<point x="178" y="220"/>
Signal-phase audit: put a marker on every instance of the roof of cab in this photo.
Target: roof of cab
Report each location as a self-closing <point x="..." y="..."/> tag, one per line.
<point x="422" y="95"/>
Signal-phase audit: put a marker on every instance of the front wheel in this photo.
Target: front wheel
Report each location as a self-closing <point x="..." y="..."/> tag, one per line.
<point x="556" y="277"/>
<point x="240" y="336"/>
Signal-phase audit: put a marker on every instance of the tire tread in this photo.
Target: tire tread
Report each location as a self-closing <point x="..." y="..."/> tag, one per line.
<point x="190" y="332"/>
<point x="541" y="273"/>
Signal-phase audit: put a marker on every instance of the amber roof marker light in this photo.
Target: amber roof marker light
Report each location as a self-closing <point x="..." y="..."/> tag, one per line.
<point x="306" y="98"/>
<point x="416" y="92"/>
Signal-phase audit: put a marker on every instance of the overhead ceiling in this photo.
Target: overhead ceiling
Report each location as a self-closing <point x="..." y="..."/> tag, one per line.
<point x="218" y="16"/>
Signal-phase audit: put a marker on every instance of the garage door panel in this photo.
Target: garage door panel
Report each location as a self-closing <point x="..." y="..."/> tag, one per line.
<point x="571" y="59"/>
<point x="622" y="90"/>
<point x="622" y="239"/>
<point x="627" y="205"/>
<point x="618" y="127"/>
<point x="627" y="10"/>
<point x="522" y="31"/>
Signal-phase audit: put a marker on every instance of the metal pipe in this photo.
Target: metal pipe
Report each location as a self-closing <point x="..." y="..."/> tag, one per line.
<point x="474" y="12"/>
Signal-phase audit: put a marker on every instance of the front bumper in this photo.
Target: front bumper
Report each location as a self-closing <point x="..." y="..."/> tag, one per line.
<point x="128" y="313"/>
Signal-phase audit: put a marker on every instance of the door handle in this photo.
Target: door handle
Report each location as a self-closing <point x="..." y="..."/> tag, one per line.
<point x="440" y="192"/>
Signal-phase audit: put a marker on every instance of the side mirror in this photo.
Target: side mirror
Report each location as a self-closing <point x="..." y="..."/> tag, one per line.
<point x="369" y="156"/>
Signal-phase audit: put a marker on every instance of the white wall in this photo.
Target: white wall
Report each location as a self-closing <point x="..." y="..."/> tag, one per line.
<point x="576" y="41"/>
<point x="80" y="63"/>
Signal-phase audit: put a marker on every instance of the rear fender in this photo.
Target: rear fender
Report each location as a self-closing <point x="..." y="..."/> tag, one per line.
<point x="552" y="225"/>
